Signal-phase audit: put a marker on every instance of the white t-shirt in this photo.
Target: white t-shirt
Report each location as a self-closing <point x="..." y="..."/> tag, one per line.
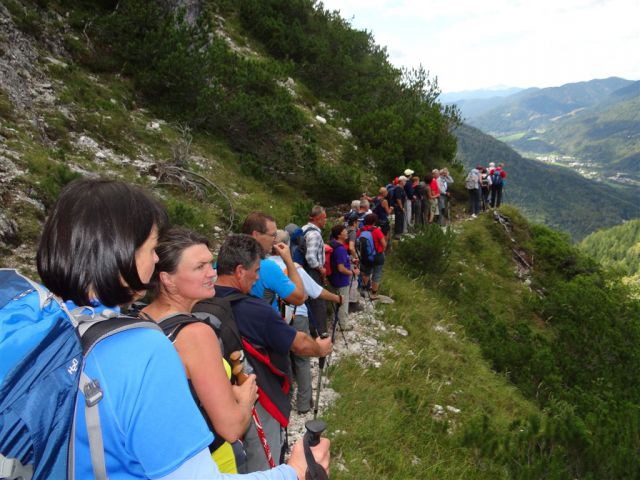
<point x="311" y="289"/>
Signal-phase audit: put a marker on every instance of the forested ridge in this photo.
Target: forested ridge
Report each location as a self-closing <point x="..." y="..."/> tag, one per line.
<point x="617" y="247"/>
<point x="521" y="358"/>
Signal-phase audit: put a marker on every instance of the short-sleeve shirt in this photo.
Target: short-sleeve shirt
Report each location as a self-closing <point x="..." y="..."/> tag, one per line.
<point x="399" y="194"/>
<point x="435" y="188"/>
<point x="339" y="256"/>
<point x="311" y="289"/>
<point x="150" y="423"/>
<point x="273" y="278"/>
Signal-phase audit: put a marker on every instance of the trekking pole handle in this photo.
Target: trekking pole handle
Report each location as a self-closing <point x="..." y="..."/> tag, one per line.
<point x="237" y="368"/>
<point x="314" y="431"/>
<point x="311" y="439"/>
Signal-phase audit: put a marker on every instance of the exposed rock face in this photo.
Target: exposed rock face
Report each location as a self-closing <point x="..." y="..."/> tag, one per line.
<point x="8" y="231"/>
<point x="18" y="59"/>
<point x="192" y="8"/>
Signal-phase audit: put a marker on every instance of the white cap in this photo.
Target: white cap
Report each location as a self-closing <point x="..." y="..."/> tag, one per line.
<point x="408" y="172"/>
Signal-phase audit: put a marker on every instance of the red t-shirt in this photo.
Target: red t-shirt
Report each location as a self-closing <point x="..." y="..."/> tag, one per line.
<point x="435" y="189"/>
<point x="377" y="235"/>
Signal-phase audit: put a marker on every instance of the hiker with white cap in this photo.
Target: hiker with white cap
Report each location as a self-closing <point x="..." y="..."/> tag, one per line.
<point x="408" y="203"/>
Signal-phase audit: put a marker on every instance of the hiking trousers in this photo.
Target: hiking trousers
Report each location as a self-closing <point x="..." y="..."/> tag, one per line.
<point x="317" y="306"/>
<point x="418" y="217"/>
<point x="354" y="295"/>
<point x="474" y="201"/>
<point x="343" y="310"/>
<point x="399" y="222"/>
<point x="274" y="433"/>
<point x="408" y="219"/>
<point x="496" y="196"/>
<point x="302" y="368"/>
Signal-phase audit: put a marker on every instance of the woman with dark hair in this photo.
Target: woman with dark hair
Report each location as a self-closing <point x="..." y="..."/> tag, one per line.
<point x="341" y="271"/>
<point x="184" y="275"/>
<point x="97" y="252"/>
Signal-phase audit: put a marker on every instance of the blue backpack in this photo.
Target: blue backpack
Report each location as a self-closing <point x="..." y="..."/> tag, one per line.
<point x="298" y="243"/>
<point x="366" y="248"/>
<point x="42" y="347"/>
<point x="496" y="178"/>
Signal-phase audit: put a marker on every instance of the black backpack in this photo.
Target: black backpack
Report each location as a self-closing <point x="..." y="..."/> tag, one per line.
<point x="273" y="384"/>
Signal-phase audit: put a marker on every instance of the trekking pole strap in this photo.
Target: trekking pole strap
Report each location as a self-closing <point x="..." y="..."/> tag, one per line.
<point x="93" y="394"/>
<point x="12" y="469"/>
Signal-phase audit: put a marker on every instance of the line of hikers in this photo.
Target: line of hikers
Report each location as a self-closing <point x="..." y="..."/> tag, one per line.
<point x="217" y="397"/>
<point x="485" y="186"/>
<point x="209" y="391"/>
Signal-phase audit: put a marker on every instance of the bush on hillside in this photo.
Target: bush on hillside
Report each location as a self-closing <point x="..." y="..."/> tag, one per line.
<point x="584" y="370"/>
<point x="426" y="252"/>
<point x="395" y="116"/>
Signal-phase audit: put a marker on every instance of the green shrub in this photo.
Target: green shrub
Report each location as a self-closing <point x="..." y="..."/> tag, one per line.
<point x="188" y="215"/>
<point x="426" y="252"/>
<point x="50" y="176"/>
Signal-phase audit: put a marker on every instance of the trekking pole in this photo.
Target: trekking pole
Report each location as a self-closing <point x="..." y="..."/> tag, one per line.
<point x="237" y="359"/>
<point x="336" y="319"/>
<point x="311" y="439"/>
<point x="321" y="363"/>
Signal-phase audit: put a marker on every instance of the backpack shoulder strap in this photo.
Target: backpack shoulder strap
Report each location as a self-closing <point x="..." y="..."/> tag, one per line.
<point x="104" y="326"/>
<point x="171" y="326"/>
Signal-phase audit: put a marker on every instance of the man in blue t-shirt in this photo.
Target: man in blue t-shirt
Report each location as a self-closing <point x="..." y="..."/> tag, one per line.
<point x="273" y="281"/>
<point x="238" y="267"/>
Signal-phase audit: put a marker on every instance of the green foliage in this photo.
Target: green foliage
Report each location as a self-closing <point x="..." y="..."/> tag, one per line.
<point x="187" y="72"/>
<point x="189" y="215"/>
<point x="617" y="247"/>
<point x="394" y="114"/>
<point x="50" y="176"/>
<point x="583" y="365"/>
<point x="426" y="252"/>
<point x="26" y="18"/>
<point x="7" y="110"/>
<point x="300" y="212"/>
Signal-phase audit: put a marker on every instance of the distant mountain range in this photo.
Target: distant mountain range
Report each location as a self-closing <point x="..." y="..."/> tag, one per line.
<point x="550" y="194"/>
<point x="592" y="127"/>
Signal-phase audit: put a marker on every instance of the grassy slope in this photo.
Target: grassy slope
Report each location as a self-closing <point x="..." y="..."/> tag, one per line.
<point x="388" y="413"/>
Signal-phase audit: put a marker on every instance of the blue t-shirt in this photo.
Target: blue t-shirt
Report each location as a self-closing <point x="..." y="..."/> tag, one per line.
<point x="273" y="278"/>
<point x="339" y="256"/>
<point x="150" y="423"/>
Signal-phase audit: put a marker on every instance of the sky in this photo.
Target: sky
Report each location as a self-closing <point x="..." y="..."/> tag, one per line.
<point x="478" y="44"/>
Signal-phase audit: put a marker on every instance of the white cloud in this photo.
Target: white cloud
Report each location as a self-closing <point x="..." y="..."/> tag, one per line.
<point x="470" y="44"/>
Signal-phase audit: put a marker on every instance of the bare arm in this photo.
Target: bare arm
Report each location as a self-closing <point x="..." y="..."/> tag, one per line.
<point x="305" y="346"/>
<point x="331" y="297"/>
<point x="229" y="412"/>
<point x="344" y="270"/>
<point x="296" y="297"/>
